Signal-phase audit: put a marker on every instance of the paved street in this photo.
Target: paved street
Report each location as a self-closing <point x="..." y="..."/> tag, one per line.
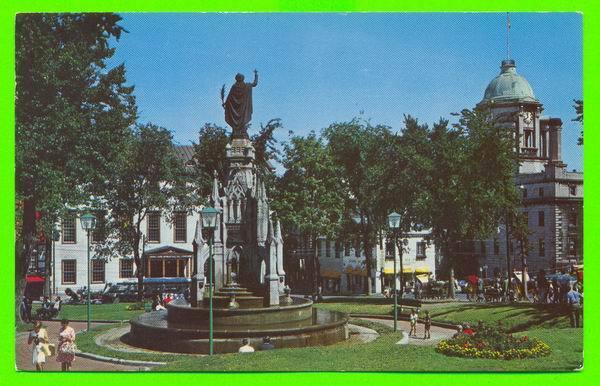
<point x="23" y="354"/>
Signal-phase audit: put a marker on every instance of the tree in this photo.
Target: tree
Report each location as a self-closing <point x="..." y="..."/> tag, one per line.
<point x="472" y="186"/>
<point x="147" y="176"/>
<point x="72" y="113"/>
<point x="210" y="156"/>
<point x="309" y="195"/>
<point x="408" y="169"/>
<point x="578" y="106"/>
<point x="358" y="150"/>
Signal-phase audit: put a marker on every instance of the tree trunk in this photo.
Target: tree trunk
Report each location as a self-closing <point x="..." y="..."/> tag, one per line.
<point x="447" y="255"/>
<point x="315" y="267"/>
<point x="140" y="268"/>
<point x="368" y="267"/>
<point x="23" y="251"/>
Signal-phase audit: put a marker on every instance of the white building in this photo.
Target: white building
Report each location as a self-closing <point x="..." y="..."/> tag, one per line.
<point x="343" y="271"/>
<point x="167" y="249"/>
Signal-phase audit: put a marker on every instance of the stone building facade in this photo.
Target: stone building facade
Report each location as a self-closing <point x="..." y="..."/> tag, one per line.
<point x="552" y="195"/>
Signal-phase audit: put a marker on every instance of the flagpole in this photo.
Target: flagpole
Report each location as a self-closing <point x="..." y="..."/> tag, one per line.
<point x="507" y="36"/>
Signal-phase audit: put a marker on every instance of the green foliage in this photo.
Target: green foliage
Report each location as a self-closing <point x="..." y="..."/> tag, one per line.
<point x="309" y="197"/>
<point x="361" y="151"/>
<point x="147" y="176"/>
<point x="210" y="157"/>
<point x="71" y="110"/>
<point x="473" y="186"/>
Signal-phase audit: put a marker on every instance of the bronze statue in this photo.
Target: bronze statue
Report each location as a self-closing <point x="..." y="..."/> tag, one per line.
<point x="238" y="105"/>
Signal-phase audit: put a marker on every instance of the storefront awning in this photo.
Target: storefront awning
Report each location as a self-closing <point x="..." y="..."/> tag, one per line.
<point x="423" y="278"/>
<point x="407" y="270"/>
<point x="331" y="274"/>
<point x="422" y="270"/>
<point x="34" y="279"/>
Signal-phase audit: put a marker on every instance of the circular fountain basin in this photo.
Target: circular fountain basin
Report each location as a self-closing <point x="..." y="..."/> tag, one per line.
<point x="185" y="329"/>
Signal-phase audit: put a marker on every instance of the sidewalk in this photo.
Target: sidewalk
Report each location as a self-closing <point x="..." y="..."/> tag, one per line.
<point x="23" y="353"/>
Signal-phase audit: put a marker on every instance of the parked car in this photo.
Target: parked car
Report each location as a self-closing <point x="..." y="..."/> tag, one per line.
<point x="120" y="292"/>
<point x="128" y="291"/>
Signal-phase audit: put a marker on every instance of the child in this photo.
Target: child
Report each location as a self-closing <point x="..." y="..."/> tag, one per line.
<point x="414" y="317"/>
<point x="427" y="321"/>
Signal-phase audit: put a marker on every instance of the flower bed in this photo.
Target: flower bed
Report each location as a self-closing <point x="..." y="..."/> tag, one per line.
<point x="489" y="343"/>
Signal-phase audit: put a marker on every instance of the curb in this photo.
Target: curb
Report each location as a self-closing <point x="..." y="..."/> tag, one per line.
<point x="118" y="361"/>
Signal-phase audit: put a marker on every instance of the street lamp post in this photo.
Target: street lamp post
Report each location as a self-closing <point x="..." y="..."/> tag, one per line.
<point x="88" y="223"/>
<point x="209" y="222"/>
<point x="394" y="224"/>
<point x="55" y="238"/>
<point x="524" y="275"/>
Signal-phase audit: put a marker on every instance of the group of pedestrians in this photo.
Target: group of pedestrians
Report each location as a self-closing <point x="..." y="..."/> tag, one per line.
<point x="42" y="349"/>
<point x="414" y="319"/>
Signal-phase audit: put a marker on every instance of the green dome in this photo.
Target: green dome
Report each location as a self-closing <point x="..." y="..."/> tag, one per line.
<point x="509" y="86"/>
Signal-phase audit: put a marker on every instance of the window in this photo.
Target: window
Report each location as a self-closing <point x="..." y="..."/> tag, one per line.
<point x="69" y="272"/>
<point x="573" y="219"/>
<point x="98" y="266"/>
<point x="524" y="192"/>
<point x="153" y="227"/>
<point x="482" y="248"/>
<point x="541" y="248"/>
<point x="572" y="245"/>
<point x="421" y="250"/>
<point x="327" y="248"/>
<point x="573" y="190"/>
<point x="541" y="192"/>
<point x="347" y="249"/>
<point x="541" y="218"/>
<point x="180" y="227"/>
<point x="338" y="249"/>
<point x="69" y="231"/>
<point x="496" y="247"/>
<point x="99" y="233"/>
<point x="357" y="250"/>
<point x="125" y="268"/>
<point x="389" y="250"/>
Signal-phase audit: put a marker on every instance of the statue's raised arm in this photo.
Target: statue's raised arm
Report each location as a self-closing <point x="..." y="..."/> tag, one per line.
<point x="255" y="78"/>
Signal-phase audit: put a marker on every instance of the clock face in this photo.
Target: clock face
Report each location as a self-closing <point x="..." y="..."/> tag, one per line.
<point x="528" y="117"/>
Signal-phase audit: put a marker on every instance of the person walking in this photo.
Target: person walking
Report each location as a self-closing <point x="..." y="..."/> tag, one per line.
<point x="574" y="299"/>
<point x="38" y="337"/>
<point x="414" y="317"/>
<point x="66" y="345"/>
<point x="427" y="323"/>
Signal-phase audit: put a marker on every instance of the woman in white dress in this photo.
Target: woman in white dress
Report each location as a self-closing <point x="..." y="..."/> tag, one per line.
<point x="38" y="338"/>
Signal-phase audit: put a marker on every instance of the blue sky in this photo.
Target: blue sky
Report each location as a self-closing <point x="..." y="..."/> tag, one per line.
<point x="316" y="69"/>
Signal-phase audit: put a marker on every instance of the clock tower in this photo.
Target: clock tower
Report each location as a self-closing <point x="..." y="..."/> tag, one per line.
<point x="510" y="98"/>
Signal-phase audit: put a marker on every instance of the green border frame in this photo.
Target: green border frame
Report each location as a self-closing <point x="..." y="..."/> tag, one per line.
<point x="591" y="41"/>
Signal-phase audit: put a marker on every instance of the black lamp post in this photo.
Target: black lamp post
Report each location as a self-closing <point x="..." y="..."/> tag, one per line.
<point x="209" y="222"/>
<point x="394" y="224"/>
<point x="88" y="223"/>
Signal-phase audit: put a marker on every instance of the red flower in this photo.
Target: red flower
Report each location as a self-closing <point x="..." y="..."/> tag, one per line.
<point x="469" y="331"/>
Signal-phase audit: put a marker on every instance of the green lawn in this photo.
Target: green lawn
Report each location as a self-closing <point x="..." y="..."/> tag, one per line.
<point x="86" y="343"/>
<point x="115" y="311"/>
<point x="384" y="355"/>
<point x="516" y="317"/>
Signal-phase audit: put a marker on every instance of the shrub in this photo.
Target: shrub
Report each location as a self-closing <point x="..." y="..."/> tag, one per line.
<point x="490" y="343"/>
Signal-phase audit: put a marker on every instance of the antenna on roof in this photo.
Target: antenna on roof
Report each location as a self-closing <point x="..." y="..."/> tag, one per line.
<point x="507" y="36"/>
